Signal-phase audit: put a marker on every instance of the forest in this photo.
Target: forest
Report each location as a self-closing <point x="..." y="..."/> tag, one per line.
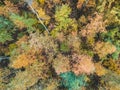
<point x="59" y="44"/>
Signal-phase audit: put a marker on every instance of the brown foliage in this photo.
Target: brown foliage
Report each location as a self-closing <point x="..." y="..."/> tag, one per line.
<point x="8" y="8"/>
<point x="111" y="81"/>
<point x="82" y="64"/>
<point x="22" y="40"/>
<point x="35" y="42"/>
<point x="113" y="65"/>
<point x="3" y="78"/>
<point x="52" y="84"/>
<point x="24" y="60"/>
<point x="74" y="42"/>
<point x="45" y="42"/>
<point x="29" y="77"/>
<point x="104" y="48"/>
<point x="96" y="25"/>
<point x="40" y="11"/>
<point x="80" y="3"/>
<point x="61" y="64"/>
<point x="99" y="69"/>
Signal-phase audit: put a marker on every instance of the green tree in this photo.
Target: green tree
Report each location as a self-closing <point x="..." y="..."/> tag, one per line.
<point x="6" y="29"/>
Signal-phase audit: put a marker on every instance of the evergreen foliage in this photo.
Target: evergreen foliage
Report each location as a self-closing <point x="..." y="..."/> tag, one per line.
<point x="23" y="21"/>
<point x="63" y="22"/>
<point x="79" y="51"/>
<point x="71" y="81"/>
<point x="6" y="29"/>
<point x="113" y="36"/>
